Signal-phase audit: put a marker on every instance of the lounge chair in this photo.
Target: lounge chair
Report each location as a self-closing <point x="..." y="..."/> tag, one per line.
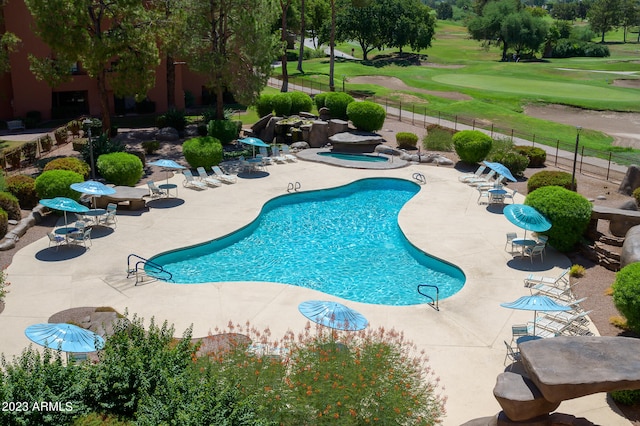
<point x="191" y="182"/>
<point x="561" y="280"/>
<point x="475" y="175"/>
<point x="222" y="176"/>
<point x="265" y="155"/>
<point x="209" y="180"/>
<point x="286" y="153"/>
<point x="564" y="294"/>
<point x="275" y="155"/>
<point x="154" y="191"/>
<point x="549" y="327"/>
<point x="482" y="179"/>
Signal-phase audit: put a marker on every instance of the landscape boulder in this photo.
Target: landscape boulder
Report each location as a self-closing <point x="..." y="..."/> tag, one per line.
<point x="631" y="180"/>
<point x="631" y="247"/>
<point x="167" y="134"/>
<point x="319" y="134"/>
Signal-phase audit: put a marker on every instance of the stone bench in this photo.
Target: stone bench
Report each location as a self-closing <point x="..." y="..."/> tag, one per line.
<point x="14" y="125"/>
<point x="355" y="142"/>
<point x="132" y="198"/>
<point x="620" y="221"/>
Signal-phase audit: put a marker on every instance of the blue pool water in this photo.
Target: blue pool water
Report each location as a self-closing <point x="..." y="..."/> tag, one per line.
<point x="343" y="241"/>
<point x="355" y="157"/>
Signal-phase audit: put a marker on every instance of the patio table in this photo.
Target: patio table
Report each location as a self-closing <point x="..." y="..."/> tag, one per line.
<point x="95" y="214"/>
<point x="523" y="243"/>
<point x="167" y="187"/>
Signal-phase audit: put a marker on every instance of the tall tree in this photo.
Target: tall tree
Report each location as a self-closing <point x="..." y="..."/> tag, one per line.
<point x="630" y="16"/>
<point x="8" y="41"/>
<point x="284" y="9"/>
<point x="604" y="15"/>
<point x="523" y="32"/>
<point x="487" y="27"/>
<point x="114" y="40"/>
<point x="231" y="43"/>
<point x="302" y="36"/>
<point x="318" y="12"/>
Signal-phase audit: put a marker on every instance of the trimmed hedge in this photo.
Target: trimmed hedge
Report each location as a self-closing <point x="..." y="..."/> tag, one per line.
<point x="367" y="116"/>
<point x="512" y="160"/>
<point x="10" y="204"/>
<point x="406" y="140"/>
<point x="226" y="131"/>
<point x="549" y="178"/>
<point x="264" y="104"/>
<point x="281" y="104"/>
<point x="202" y="152"/>
<point x="23" y="187"/>
<point x="320" y="99"/>
<point x="568" y="212"/>
<point x="626" y="294"/>
<point x="300" y="102"/>
<point x="337" y="102"/>
<point x="472" y="146"/>
<point x="68" y="163"/>
<point x="120" y="168"/>
<point x="56" y="183"/>
<point x="537" y="156"/>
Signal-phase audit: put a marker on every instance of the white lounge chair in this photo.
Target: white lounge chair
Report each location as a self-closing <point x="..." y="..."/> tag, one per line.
<point x="219" y="174"/>
<point x="190" y="182"/>
<point x="286" y="153"/>
<point x="549" y="327"/>
<point x="482" y="179"/>
<point x="204" y="177"/>
<point x="265" y="155"/>
<point x="561" y="280"/>
<point x="559" y="293"/>
<point x="475" y="175"/>
<point x="275" y="155"/>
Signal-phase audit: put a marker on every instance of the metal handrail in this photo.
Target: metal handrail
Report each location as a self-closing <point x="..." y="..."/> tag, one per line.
<point x="293" y="186"/>
<point x="420" y="177"/>
<point x="142" y="261"/>
<point x="434" y="302"/>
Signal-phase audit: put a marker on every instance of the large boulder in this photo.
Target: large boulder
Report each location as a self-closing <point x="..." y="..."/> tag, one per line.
<point x="631" y="247"/>
<point x="631" y="180"/>
<point x="167" y="134"/>
<point x="337" y="126"/>
<point x="319" y="134"/>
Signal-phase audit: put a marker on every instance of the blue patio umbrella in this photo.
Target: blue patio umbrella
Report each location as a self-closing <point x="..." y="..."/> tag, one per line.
<point x="526" y="217"/>
<point x="333" y="315"/>
<point x="535" y="303"/>
<point x="167" y="164"/>
<point x="253" y="142"/>
<point x="66" y="337"/>
<point x="64" y="204"/>
<point x="500" y="169"/>
<point x="92" y="188"/>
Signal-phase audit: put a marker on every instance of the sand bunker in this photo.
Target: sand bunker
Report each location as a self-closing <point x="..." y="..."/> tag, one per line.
<point x="397" y="84"/>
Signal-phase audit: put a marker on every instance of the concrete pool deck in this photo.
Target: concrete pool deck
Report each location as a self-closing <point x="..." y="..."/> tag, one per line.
<point x="464" y="340"/>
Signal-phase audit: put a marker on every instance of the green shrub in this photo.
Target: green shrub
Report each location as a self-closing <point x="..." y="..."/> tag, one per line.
<point x="568" y="212"/>
<point x="78" y="144"/>
<point x="101" y="145"/>
<point x="226" y="131"/>
<point x="567" y="48"/>
<point x="300" y="102"/>
<point x="46" y="143"/>
<point x="281" y="104"/>
<point x="68" y="163"/>
<point x="10" y="204"/>
<point x="337" y="102"/>
<point x="537" y="156"/>
<point x="95" y="125"/>
<point x="626" y="294"/>
<point x="636" y="195"/>
<point x="150" y="146"/>
<point x="120" y="168"/>
<point x="406" y="140"/>
<point x="549" y="178"/>
<point x="202" y="152"/>
<point x="4" y="223"/>
<point x="264" y="104"/>
<point x="29" y="151"/>
<point x="320" y="99"/>
<point x="472" y="146"/>
<point x="516" y="163"/>
<point x="173" y="118"/>
<point x="438" y="138"/>
<point x="62" y="135"/>
<point x="366" y="116"/>
<point x="23" y="187"/>
<point x="55" y="183"/>
<point x="626" y="397"/>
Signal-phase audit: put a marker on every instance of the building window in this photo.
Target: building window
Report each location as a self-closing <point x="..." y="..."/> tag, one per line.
<point x="69" y="104"/>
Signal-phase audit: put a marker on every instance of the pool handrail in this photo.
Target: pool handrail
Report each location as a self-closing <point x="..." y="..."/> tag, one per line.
<point x="434" y="302"/>
<point x="142" y="261"/>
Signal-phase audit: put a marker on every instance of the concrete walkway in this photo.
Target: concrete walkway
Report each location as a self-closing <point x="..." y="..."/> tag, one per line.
<point x="464" y="340"/>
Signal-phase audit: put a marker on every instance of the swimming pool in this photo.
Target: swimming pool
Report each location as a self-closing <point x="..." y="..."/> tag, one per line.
<point x="355" y="157"/>
<point x="343" y="241"/>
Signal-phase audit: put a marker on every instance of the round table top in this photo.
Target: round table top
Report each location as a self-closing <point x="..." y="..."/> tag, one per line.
<point x="167" y="186"/>
<point x="523" y="339"/>
<point x="95" y="212"/>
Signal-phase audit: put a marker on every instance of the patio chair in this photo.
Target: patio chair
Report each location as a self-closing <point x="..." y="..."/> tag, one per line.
<point x="511" y="196"/>
<point x="512" y="355"/>
<point x="561" y="280"/>
<point x="265" y="155"/>
<point x="275" y="154"/>
<point x="154" y="191"/>
<point x="510" y="237"/>
<point x="533" y="251"/>
<point x="286" y="153"/>
<point x="475" y="175"/>
<point x="217" y="171"/>
<point x="110" y="216"/>
<point x="204" y="177"/>
<point x="483" y="194"/>
<point x="58" y="240"/>
<point x="81" y="237"/>
<point x="190" y="182"/>
<point x="518" y="330"/>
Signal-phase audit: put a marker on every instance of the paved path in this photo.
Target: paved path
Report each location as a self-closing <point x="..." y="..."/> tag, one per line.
<point x="464" y="340"/>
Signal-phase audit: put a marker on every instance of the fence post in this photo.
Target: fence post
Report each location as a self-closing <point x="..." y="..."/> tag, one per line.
<point x="438" y="118"/>
<point x="413" y="114"/>
<point x="511" y="135"/>
<point x="533" y="140"/>
<point x="491" y="130"/>
<point x="424" y="118"/>
<point x="455" y="123"/>
<point x="400" y="112"/>
<point x="557" y="149"/>
<point x="473" y="124"/>
<point x="581" y="157"/>
<point x="609" y="165"/>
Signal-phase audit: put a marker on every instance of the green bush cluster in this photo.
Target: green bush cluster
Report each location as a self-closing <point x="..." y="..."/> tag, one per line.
<point x="101" y="145"/>
<point x="626" y="294"/>
<point x="512" y="160"/>
<point x="226" y="131"/>
<point x="4" y="223"/>
<point x="78" y="144"/>
<point x="537" y="156"/>
<point x="281" y="104"/>
<point x="337" y="102"/>
<point x="120" y="168"/>
<point x="636" y="195"/>
<point x="68" y="163"/>
<point x="172" y="118"/>
<point x="264" y="104"/>
<point x="150" y="146"/>
<point x="23" y="187"/>
<point x="56" y="183"/>
<point x="300" y="102"/>
<point x="406" y="140"/>
<point x="472" y="146"/>
<point x="626" y="397"/>
<point x="549" y="178"/>
<point x="319" y="100"/>
<point x="438" y="138"/>
<point x="568" y="212"/>
<point x="366" y="116"/>
<point x="202" y="152"/>
<point x="568" y="48"/>
<point x="10" y="204"/>
<point x="95" y="124"/>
